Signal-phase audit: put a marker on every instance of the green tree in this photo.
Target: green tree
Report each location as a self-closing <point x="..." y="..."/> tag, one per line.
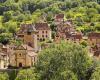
<point x="7" y="16"/>
<point x="11" y="26"/>
<point x="27" y="74"/>
<point x="62" y="57"/>
<point x="97" y="27"/>
<point x="84" y="43"/>
<point x="5" y="38"/>
<point x="96" y="74"/>
<point x="4" y="76"/>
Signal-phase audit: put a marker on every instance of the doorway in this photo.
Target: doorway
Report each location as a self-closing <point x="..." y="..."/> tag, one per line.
<point x="20" y="64"/>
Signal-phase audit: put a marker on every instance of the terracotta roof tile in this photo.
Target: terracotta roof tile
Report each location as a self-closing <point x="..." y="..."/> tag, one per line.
<point x="59" y="16"/>
<point x="94" y="35"/>
<point x="42" y="26"/>
<point x="25" y="27"/>
<point x="77" y="36"/>
<point x="97" y="53"/>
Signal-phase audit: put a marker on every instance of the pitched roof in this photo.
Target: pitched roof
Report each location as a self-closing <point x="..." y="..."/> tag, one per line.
<point x="26" y="27"/>
<point x="31" y="53"/>
<point x="59" y="16"/>
<point x="29" y="50"/>
<point x="20" y="47"/>
<point x="28" y="47"/>
<point x="97" y="53"/>
<point x="42" y="26"/>
<point x="94" y="35"/>
<point x="77" y="36"/>
<point x="68" y="35"/>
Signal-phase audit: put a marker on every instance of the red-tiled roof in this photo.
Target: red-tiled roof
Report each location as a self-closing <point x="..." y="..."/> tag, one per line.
<point x="77" y="36"/>
<point x="24" y="47"/>
<point x="25" y="27"/>
<point x="31" y="53"/>
<point x="59" y="16"/>
<point x="94" y="35"/>
<point x="42" y="26"/>
<point x="67" y="35"/>
<point x="97" y="53"/>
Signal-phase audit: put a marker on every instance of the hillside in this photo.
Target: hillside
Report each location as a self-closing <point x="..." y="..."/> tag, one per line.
<point x="85" y="14"/>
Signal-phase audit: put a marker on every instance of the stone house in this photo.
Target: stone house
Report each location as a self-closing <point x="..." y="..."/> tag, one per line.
<point x="93" y="38"/>
<point x="3" y="60"/>
<point x="95" y="50"/>
<point x="4" y="56"/>
<point x="59" y="18"/>
<point x="43" y="31"/>
<point x="23" y="56"/>
<point x="28" y="35"/>
<point x="66" y="31"/>
<point x="94" y="43"/>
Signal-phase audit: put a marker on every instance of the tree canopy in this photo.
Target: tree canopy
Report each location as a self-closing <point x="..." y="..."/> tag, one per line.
<point x="4" y="76"/>
<point x="56" y="62"/>
<point x="96" y="74"/>
<point x="27" y="74"/>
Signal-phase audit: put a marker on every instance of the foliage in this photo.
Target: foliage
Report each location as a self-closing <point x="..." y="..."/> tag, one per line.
<point x="5" y="37"/>
<point x="18" y="11"/>
<point x="4" y="76"/>
<point x="62" y="61"/>
<point x="27" y="74"/>
<point x="84" y="43"/>
<point x="62" y="57"/>
<point x="96" y="74"/>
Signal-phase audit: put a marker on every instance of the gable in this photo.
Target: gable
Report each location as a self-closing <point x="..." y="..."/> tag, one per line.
<point x="20" y="48"/>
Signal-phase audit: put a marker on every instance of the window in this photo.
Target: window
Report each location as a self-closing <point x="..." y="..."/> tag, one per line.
<point x="28" y="33"/>
<point x="42" y="35"/>
<point x="37" y="35"/>
<point x="46" y="36"/>
<point x="20" y="35"/>
<point x="42" y="31"/>
<point x="43" y="39"/>
<point x="46" y="31"/>
<point x="37" y="38"/>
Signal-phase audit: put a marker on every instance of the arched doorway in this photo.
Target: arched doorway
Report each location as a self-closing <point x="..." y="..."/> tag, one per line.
<point x="20" y="64"/>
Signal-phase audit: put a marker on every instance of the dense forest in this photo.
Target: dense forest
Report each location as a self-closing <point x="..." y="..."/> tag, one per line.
<point x="85" y="14"/>
<point x="65" y="61"/>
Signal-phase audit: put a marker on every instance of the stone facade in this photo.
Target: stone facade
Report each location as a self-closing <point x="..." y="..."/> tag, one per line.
<point x="23" y="56"/>
<point x="43" y="31"/>
<point x="66" y="31"/>
<point x="59" y="18"/>
<point x="94" y="38"/>
<point x="94" y="43"/>
<point x="4" y="56"/>
<point x="3" y="61"/>
<point x="27" y="34"/>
